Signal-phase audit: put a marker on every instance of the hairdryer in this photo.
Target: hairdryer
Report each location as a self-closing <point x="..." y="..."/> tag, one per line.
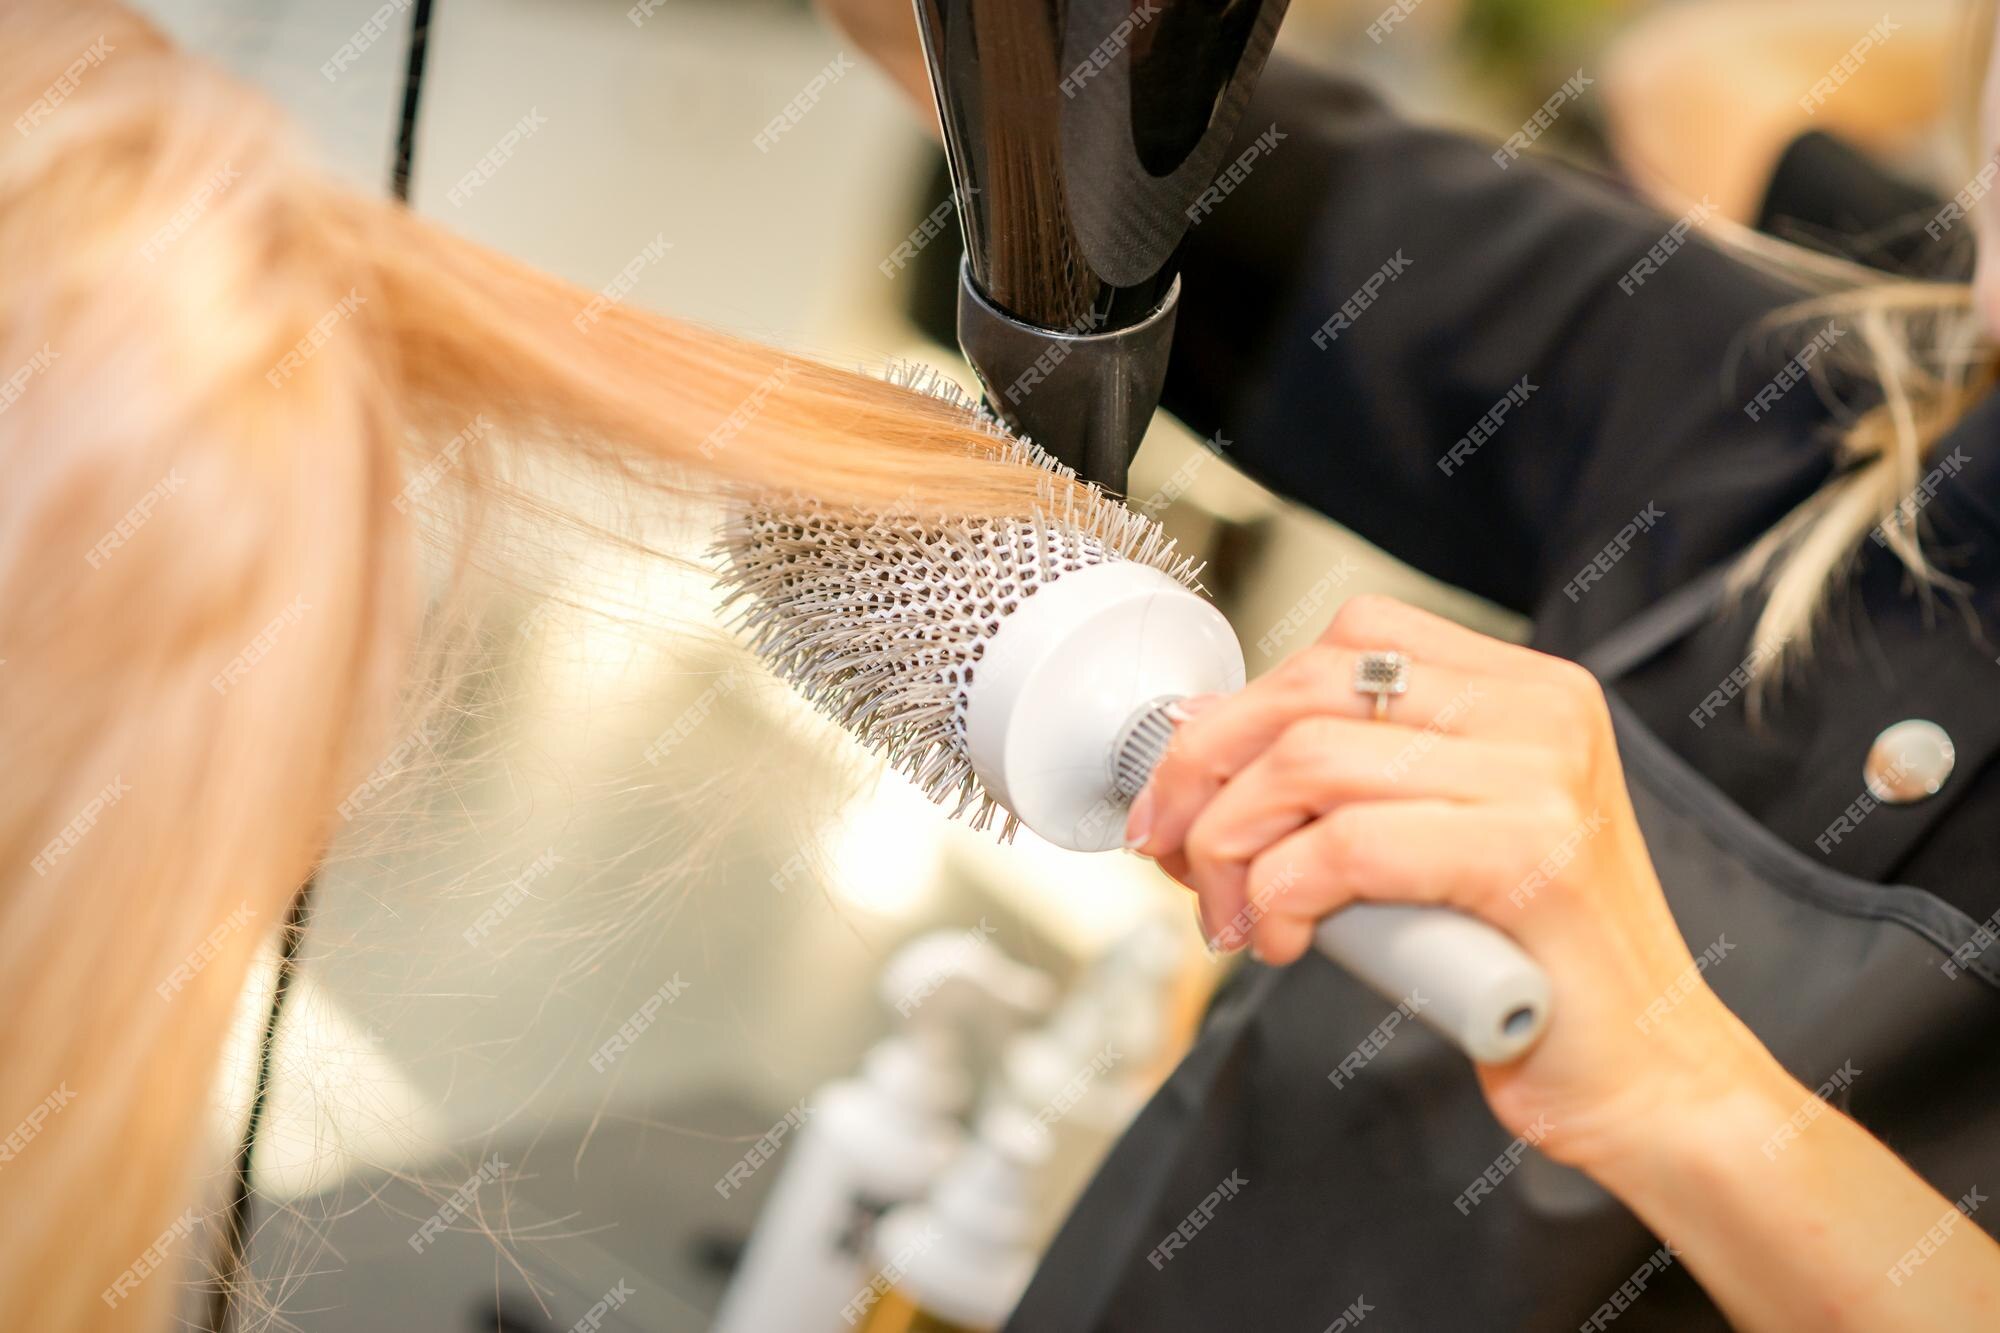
<point x="1079" y="133"/>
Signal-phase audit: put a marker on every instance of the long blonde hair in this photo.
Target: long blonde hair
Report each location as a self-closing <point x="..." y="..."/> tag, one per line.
<point x="1924" y="346"/>
<point x="223" y="381"/>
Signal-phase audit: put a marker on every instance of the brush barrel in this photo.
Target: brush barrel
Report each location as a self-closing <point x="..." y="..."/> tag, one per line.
<point x="1068" y="681"/>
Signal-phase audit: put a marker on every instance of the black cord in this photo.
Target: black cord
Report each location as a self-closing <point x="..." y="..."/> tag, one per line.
<point x="413" y="84"/>
<point x="228" y="1276"/>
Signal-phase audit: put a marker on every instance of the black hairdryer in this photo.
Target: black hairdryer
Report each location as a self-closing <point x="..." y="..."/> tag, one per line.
<point x="1081" y="134"/>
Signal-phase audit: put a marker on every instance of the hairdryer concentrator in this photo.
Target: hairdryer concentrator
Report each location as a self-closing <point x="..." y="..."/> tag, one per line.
<point x="1080" y="134"/>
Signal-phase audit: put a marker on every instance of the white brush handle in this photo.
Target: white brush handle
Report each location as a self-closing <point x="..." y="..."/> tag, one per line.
<point x="1096" y="654"/>
<point x="1463" y="977"/>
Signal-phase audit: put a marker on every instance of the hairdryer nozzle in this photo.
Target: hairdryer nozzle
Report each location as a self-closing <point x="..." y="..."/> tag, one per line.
<point x="1085" y="396"/>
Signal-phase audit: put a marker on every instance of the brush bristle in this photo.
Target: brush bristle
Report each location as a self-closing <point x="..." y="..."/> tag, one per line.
<point x="880" y="619"/>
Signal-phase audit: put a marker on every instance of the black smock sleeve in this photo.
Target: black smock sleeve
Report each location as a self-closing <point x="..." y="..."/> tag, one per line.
<point x="1628" y="387"/>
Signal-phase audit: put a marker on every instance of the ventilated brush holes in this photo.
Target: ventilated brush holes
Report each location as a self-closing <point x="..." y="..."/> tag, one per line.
<point x="881" y="622"/>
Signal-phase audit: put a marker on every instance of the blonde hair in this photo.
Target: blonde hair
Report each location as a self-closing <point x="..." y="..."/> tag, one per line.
<point x="220" y="376"/>
<point x="1924" y="346"/>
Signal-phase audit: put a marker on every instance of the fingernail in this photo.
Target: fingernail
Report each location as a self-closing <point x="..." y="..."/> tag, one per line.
<point x="1257" y="952"/>
<point x="1139" y="824"/>
<point x="1201" y="929"/>
<point x="1182" y="710"/>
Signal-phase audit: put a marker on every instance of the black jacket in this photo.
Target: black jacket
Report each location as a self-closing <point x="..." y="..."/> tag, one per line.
<point x="1641" y="386"/>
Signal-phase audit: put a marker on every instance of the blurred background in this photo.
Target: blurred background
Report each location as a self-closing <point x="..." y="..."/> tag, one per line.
<point x="550" y="1009"/>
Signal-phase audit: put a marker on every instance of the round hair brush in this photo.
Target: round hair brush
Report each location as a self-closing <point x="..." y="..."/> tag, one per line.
<point x="1026" y="666"/>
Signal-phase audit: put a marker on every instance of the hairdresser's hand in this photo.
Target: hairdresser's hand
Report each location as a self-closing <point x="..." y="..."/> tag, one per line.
<point x="1492" y="787"/>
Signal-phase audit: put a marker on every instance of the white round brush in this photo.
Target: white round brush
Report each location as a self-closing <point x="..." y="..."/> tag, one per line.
<point x="1026" y="666"/>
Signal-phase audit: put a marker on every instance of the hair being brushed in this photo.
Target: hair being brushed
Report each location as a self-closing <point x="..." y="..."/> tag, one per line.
<point x="211" y="417"/>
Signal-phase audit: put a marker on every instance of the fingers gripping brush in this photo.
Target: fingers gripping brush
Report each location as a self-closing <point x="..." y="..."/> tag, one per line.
<point x="1027" y="666"/>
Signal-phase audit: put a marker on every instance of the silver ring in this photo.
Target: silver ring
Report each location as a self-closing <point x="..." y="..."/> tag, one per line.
<point x="1381" y="674"/>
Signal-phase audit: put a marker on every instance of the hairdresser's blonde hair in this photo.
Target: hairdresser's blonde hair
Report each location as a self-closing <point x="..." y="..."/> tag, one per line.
<point x="1925" y="346"/>
<point x="212" y="401"/>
